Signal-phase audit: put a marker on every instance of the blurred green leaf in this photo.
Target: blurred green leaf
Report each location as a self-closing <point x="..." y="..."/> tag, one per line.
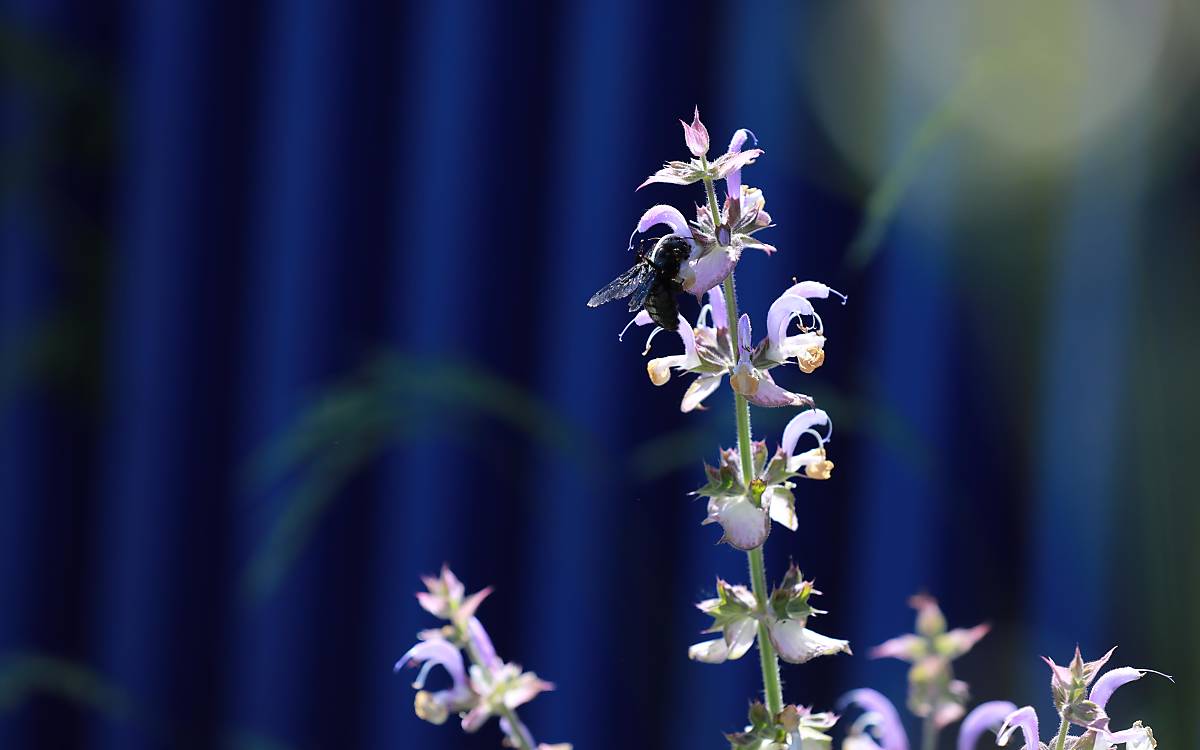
<point x="671" y="451"/>
<point x="22" y="674"/>
<point x="391" y="398"/>
<point x="885" y="199"/>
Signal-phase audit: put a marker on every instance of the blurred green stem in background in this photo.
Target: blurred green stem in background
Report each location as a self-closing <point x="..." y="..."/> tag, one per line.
<point x="353" y="423"/>
<point x="885" y="198"/>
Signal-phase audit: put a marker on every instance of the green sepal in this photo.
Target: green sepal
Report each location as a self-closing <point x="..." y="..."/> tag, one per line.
<point x="728" y="610"/>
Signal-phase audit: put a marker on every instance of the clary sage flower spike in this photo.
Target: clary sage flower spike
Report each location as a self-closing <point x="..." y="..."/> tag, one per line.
<point x="488" y="687"/>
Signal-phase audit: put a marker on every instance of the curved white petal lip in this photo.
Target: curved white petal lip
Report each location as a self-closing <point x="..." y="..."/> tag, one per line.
<point x="800" y="424"/>
<point x="1114" y="678"/>
<point x="740" y="637"/>
<point x="664" y="214"/>
<point x="797" y="644"/>
<point x="709" y="652"/>
<point x="782" y="507"/>
<point x="781" y="312"/>
<point x="700" y="389"/>
<point x="985" y="716"/>
<point x="435" y="652"/>
<point x="1024" y="719"/>
<point x="745" y="525"/>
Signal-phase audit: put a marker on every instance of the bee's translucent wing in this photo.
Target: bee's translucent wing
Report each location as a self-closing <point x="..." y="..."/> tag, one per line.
<point x="635" y="279"/>
<point x="638" y="299"/>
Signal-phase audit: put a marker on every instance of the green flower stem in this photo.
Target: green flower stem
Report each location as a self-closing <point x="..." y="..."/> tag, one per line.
<point x="928" y="733"/>
<point x="1062" y="734"/>
<point x="772" y="690"/>
<point x="519" y="732"/>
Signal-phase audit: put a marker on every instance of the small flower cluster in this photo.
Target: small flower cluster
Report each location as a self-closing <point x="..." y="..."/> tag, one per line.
<point x="710" y="351"/>
<point x="737" y="615"/>
<point x="745" y="511"/>
<point x="490" y="687"/>
<point x="940" y="699"/>
<point x="933" y="691"/>
<point x="1077" y="706"/>
<point x="793" y="728"/>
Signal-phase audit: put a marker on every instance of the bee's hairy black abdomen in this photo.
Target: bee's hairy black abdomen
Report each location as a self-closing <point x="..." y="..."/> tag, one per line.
<point x="662" y="307"/>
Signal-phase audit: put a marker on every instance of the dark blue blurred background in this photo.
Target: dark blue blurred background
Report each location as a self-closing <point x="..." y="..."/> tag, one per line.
<point x="292" y="311"/>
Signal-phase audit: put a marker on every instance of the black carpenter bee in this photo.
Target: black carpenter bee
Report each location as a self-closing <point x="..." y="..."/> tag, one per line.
<point x="652" y="282"/>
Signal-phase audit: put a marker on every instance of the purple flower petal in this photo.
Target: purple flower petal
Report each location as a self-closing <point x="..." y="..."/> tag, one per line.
<point x="527" y="687"/>
<point x="667" y="177"/>
<point x="433" y="652"/>
<point x="720" y="314"/>
<point x="729" y="163"/>
<point x="756" y="245"/>
<point x="1024" y="719"/>
<point x="770" y="395"/>
<point x="696" y="135"/>
<point x="733" y="180"/>
<point x="906" y="647"/>
<point x="664" y="214"/>
<point x="986" y="716"/>
<point x="476" y="718"/>
<point x="1115" y="678"/>
<point x="1110" y="681"/>
<point x="482" y="643"/>
<point x="891" y="729"/>
<point x="738" y="141"/>
<point x="706" y="272"/>
<point x="781" y="312"/>
<point x="961" y="640"/>
<point x="467" y="609"/>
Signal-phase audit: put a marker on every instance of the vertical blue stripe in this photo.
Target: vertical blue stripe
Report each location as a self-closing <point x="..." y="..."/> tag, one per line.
<point x="425" y="493"/>
<point x="276" y="645"/>
<point x="147" y="395"/>
<point x="28" y="514"/>
<point x="578" y="526"/>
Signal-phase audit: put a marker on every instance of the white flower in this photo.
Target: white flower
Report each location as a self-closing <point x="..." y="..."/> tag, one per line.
<point x="737" y="614"/>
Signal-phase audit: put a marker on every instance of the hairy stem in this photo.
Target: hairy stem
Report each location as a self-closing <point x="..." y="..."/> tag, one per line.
<point x="772" y="690"/>
<point x="1062" y="734"/>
